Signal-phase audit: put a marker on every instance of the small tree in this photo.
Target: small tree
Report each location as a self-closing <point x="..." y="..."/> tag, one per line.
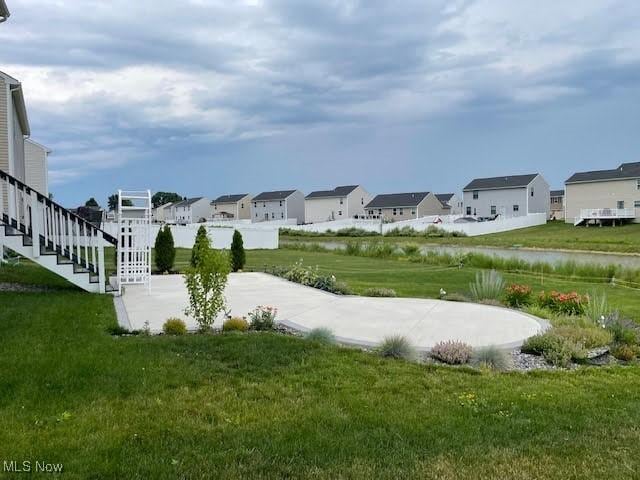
<point x="238" y="256"/>
<point x="112" y="202"/>
<point x="205" y="286"/>
<point x="165" y="250"/>
<point x="201" y="244"/>
<point x="91" y="203"/>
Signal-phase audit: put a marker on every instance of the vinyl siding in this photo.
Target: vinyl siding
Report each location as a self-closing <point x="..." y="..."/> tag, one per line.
<point x="18" y="148"/>
<point x="600" y="195"/>
<point x="35" y="160"/>
<point x="4" y="128"/>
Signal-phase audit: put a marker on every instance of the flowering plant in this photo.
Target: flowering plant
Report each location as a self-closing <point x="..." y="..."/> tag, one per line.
<point x="571" y="303"/>
<point x="518" y="295"/>
<point x="263" y="318"/>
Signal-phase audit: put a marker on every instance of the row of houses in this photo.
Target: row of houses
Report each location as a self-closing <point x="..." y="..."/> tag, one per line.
<point x="596" y="196"/>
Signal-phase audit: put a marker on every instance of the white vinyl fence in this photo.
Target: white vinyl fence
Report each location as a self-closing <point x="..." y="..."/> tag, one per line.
<point x="185" y="235"/>
<point x="444" y="222"/>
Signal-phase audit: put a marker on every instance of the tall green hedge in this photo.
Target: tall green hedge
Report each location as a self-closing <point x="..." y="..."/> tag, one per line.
<point x="238" y="255"/>
<point x="165" y="250"/>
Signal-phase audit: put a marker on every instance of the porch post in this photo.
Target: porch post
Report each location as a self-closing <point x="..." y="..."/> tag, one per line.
<point x="35" y="223"/>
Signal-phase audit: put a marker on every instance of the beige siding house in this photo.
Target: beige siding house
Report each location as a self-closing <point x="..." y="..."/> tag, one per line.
<point x="14" y="127"/>
<point x="237" y="207"/>
<point x="604" y="195"/>
<point x="394" y="207"/>
<point x="36" y="166"/>
<point x="451" y="203"/>
<point x="557" y="205"/>
<point x="340" y="203"/>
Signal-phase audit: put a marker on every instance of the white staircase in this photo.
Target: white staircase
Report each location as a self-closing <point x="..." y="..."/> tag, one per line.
<point x="39" y="229"/>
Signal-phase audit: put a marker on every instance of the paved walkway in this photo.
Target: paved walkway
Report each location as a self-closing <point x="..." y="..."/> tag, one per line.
<point x="358" y="320"/>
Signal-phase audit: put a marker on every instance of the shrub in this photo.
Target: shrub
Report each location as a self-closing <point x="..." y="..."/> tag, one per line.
<point x="378" y="249"/>
<point x="624" y="331"/>
<point x="588" y="337"/>
<point x="355" y="232"/>
<point x="624" y="352"/>
<point x="263" y="318"/>
<point x="556" y="350"/>
<point x="492" y="358"/>
<point x="379" y="292"/>
<point x="201" y="245"/>
<point x="117" y="330"/>
<point x="488" y="285"/>
<point x="205" y="286"/>
<point x="174" y="326"/>
<point x="570" y="303"/>
<point x="321" y="335"/>
<point x="518" y="296"/>
<point x="353" y="249"/>
<point x="165" y="252"/>
<point x="453" y="352"/>
<point x="538" y="311"/>
<point x="238" y="255"/>
<point x="396" y="346"/>
<point x="235" y="324"/>
<point x="310" y="277"/>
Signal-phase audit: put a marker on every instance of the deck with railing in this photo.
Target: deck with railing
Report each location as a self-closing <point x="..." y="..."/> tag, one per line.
<point x="587" y="214"/>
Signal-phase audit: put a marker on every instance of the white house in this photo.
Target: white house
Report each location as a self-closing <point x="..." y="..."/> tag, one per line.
<point x="509" y="196"/>
<point x="14" y="127"/>
<point x="278" y="205"/>
<point x="162" y="213"/>
<point x="237" y="207"/>
<point x="36" y="166"/>
<point x="192" y="210"/>
<point x="451" y="202"/>
<point x="342" y="202"/>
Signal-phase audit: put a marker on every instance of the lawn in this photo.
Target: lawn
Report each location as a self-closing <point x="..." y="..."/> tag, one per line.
<point x="270" y="406"/>
<point x="553" y="235"/>
<point x="420" y="280"/>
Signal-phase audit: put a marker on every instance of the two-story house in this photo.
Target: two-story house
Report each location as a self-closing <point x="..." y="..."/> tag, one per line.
<point x="342" y="202"/>
<point x="394" y="207"/>
<point x="507" y="196"/>
<point x="237" y="207"/>
<point x="278" y="205"/>
<point x="192" y="210"/>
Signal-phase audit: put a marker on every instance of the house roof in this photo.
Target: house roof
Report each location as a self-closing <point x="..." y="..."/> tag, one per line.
<point x="4" y="11"/>
<point x="18" y="100"/>
<point x="556" y="193"/>
<point x="493" y="183"/>
<point x="230" y="198"/>
<point x="188" y="202"/>
<point x="342" y="191"/>
<point x="390" y="200"/>
<point x="626" y="170"/>
<point x="47" y="150"/>
<point x="444" y="198"/>
<point x="277" y="195"/>
<point x="164" y="205"/>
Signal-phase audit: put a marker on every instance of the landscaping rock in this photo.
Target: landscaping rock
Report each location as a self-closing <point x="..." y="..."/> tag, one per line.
<point x="597" y="352"/>
<point x="526" y="362"/>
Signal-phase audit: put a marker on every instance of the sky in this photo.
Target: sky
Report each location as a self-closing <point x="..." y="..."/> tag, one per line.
<point x="218" y="97"/>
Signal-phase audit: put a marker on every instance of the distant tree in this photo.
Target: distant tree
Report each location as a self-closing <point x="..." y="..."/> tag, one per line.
<point x="160" y="198"/>
<point x="113" y="202"/>
<point x="201" y="245"/>
<point x="91" y="203"/>
<point x="238" y="255"/>
<point x="165" y="250"/>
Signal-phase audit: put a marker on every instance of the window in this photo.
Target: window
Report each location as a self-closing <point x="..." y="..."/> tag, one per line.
<point x="516" y="208"/>
<point x="282" y="215"/>
<point x="255" y="204"/>
<point x="342" y="201"/>
<point x="402" y="211"/>
<point x="273" y="215"/>
<point x="370" y="212"/>
<point x="362" y="200"/>
<point x="493" y="209"/>
<point x="475" y="194"/>
<point x="620" y="204"/>
<point x="638" y="184"/>
<point x="532" y="191"/>
<point x="339" y="213"/>
<point x="395" y="211"/>
<point x="380" y="211"/>
<point x="413" y="212"/>
<point x="636" y="204"/>
<point x="242" y="205"/>
<point x="280" y="202"/>
<point x="468" y="210"/>
<point x="264" y="205"/>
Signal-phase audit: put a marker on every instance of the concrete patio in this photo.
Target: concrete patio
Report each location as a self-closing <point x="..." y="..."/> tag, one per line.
<point x="356" y="320"/>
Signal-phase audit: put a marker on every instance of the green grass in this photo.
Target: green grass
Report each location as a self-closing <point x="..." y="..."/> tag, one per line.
<point x="553" y="235"/>
<point x="270" y="406"/>
<point x="410" y="279"/>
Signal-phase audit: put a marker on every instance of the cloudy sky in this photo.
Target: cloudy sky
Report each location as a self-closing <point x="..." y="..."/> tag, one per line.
<point x="207" y="97"/>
